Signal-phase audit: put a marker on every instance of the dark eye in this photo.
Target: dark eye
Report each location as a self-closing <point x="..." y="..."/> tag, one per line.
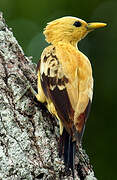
<point x="77" y="24"/>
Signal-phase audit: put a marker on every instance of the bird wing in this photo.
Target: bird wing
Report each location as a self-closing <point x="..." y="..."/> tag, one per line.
<point x="60" y="85"/>
<point x="54" y="81"/>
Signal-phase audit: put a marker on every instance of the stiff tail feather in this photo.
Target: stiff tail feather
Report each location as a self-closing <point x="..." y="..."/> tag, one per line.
<point x="68" y="147"/>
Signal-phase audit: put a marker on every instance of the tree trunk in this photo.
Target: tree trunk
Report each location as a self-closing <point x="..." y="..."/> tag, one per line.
<point x="29" y="135"/>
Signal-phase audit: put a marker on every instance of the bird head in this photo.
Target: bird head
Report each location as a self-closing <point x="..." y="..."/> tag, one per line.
<point x="69" y="30"/>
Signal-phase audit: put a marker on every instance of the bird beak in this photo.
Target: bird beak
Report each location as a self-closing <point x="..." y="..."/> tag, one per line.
<point x="92" y="26"/>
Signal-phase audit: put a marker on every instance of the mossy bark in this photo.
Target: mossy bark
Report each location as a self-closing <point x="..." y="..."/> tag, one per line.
<point x="29" y="135"/>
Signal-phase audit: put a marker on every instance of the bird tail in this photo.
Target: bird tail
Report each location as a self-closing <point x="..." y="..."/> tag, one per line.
<point x="68" y="149"/>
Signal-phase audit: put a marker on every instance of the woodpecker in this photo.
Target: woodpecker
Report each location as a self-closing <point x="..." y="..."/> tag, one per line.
<point x="65" y="80"/>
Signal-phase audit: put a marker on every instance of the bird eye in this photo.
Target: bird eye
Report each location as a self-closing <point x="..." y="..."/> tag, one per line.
<point x="77" y="23"/>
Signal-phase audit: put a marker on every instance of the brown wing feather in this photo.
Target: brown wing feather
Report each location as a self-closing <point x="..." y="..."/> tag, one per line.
<point x="82" y="121"/>
<point x="54" y="83"/>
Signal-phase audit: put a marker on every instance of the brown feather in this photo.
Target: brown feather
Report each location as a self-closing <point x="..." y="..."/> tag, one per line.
<point x="66" y="85"/>
<point x="54" y="83"/>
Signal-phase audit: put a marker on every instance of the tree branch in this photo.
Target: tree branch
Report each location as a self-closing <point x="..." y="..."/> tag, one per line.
<point x="28" y="133"/>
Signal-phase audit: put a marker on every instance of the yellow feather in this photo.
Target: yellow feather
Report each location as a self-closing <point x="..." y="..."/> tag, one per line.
<point x="64" y="34"/>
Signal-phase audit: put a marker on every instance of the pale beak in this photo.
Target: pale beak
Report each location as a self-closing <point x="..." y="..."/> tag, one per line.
<point x="95" y="25"/>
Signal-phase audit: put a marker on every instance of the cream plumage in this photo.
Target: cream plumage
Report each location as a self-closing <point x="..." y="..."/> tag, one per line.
<point x="65" y="80"/>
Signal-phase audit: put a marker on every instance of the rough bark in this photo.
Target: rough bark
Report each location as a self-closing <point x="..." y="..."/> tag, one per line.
<point x="28" y="133"/>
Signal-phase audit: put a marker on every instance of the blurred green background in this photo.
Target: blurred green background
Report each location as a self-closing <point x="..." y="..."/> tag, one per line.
<point x="28" y="18"/>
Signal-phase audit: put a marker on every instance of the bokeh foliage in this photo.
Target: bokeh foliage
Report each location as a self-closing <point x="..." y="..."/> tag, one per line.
<point x="28" y="18"/>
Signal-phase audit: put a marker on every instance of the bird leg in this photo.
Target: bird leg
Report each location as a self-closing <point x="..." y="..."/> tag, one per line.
<point x="39" y="96"/>
<point x="24" y="92"/>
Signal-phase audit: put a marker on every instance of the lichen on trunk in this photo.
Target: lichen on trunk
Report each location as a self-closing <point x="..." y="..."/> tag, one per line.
<point x="29" y="135"/>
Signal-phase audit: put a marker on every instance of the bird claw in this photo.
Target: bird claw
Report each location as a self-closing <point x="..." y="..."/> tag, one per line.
<point x="28" y="87"/>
